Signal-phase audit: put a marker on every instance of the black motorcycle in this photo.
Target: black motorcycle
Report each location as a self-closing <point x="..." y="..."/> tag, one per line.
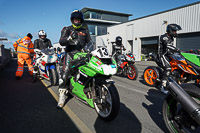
<point x="181" y="107"/>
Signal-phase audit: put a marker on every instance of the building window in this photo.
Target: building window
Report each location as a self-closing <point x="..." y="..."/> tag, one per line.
<point x="91" y="29"/>
<point x="86" y="15"/>
<point x="95" y="15"/>
<point x="101" y="30"/>
<point x="99" y="16"/>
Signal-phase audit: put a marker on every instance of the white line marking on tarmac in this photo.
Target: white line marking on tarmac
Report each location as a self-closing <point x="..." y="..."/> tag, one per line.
<point x="82" y="127"/>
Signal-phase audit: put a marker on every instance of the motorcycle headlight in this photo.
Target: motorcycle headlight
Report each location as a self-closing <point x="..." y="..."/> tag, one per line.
<point x="49" y="59"/>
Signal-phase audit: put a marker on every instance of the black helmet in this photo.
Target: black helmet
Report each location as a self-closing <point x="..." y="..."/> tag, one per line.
<point x="172" y="28"/>
<point x="77" y="14"/>
<point x="118" y="40"/>
<point x="59" y="49"/>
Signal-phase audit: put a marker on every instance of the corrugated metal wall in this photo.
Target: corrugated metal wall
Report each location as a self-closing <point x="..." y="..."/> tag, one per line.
<point x="188" y="17"/>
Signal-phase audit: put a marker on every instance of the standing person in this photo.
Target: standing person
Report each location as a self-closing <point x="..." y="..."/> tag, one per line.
<point x="75" y="38"/>
<point x="43" y="42"/>
<point x="24" y="48"/>
<point x="166" y="49"/>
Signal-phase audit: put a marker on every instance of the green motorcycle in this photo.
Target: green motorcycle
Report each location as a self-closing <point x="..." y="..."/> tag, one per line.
<point x="91" y="82"/>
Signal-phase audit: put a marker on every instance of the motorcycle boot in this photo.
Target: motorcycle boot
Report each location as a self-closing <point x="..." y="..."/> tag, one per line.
<point x="18" y="77"/>
<point x="34" y="76"/>
<point x="62" y="97"/>
<point x="163" y="86"/>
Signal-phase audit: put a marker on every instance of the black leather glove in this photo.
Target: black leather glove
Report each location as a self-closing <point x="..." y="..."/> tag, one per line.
<point x="74" y="35"/>
<point x="179" y="51"/>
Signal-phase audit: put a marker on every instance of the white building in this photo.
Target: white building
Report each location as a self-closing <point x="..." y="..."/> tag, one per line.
<point x="141" y="35"/>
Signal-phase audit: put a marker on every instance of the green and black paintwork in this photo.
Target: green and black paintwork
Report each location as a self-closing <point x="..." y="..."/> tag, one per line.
<point x="88" y="78"/>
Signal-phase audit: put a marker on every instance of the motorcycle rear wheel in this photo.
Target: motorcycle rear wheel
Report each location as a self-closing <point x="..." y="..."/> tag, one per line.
<point x="176" y="118"/>
<point x="107" y="107"/>
<point x="132" y="72"/>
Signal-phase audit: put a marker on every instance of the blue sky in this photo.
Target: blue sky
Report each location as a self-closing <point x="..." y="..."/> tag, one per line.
<point x="19" y="17"/>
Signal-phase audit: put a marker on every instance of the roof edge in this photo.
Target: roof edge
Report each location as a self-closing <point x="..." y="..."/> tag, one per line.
<point x="104" y="11"/>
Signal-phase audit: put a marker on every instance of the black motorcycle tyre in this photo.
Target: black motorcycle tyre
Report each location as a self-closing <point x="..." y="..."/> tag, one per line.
<point x="135" y="70"/>
<point x="53" y="77"/>
<point x="115" y="103"/>
<point x="169" y="110"/>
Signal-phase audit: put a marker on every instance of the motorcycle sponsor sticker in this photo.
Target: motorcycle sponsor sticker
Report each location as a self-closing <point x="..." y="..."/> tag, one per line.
<point x="98" y="62"/>
<point x="95" y="67"/>
<point x="113" y="66"/>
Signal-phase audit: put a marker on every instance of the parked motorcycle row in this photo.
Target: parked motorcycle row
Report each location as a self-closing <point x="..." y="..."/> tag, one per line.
<point x="91" y="83"/>
<point x="181" y="107"/>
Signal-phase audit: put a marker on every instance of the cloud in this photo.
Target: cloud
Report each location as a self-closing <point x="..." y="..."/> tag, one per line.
<point x="9" y="42"/>
<point x="35" y="34"/>
<point x="3" y="34"/>
<point x="14" y="35"/>
<point x="9" y="35"/>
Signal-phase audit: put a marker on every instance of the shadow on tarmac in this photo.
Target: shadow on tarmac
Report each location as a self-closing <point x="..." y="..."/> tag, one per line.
<point x="28" y="107"/>
<point x="125" y="122"/>
<point x="155" y="108"/>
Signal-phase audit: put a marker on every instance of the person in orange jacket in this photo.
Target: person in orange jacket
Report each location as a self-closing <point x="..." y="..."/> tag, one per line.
<point x="24" y="48"/>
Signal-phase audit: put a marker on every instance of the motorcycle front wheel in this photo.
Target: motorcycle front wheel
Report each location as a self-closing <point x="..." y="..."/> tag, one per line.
<point x="176" y="118"/>
<point x="107" y="104"/>
<point x="53" y="77"/>
<point x="150" y="76"/>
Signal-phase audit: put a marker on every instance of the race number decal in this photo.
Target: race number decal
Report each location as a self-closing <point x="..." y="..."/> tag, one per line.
<point x="101" y="53"/>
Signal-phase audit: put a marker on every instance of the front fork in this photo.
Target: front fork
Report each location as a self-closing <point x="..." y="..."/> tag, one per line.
<point x="98" y="88"/>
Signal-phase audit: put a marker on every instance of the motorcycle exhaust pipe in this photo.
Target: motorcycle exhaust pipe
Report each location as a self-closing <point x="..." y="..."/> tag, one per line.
<point x="185" y="99"/>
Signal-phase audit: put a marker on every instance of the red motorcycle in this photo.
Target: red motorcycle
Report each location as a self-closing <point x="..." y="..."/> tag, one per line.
<point x="126" y="67"/>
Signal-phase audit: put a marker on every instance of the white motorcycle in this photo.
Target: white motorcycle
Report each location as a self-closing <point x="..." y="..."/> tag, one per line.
<point x="45" y="65"/>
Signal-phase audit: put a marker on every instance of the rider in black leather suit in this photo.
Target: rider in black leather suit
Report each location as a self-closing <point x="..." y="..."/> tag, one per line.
<point x="117" y="48"/>
<point x="75" y="38"/>
<point x="166" y="49"/>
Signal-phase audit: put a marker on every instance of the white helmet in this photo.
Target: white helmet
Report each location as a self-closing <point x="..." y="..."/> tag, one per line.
<point x="42" y="33"/>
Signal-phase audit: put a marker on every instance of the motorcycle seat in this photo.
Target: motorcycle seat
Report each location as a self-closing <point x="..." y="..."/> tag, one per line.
<point x="197" y="68"/>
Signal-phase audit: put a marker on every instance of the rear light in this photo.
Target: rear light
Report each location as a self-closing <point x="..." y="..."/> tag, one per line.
<point x="43" y="63"/>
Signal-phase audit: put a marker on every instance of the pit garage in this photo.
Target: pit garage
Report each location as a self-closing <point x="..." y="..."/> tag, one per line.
<point x="149" y="45"/>
<point x="188" y="41"/>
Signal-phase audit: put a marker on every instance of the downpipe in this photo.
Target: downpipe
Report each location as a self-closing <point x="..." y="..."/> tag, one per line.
<point x="185" y="99"/>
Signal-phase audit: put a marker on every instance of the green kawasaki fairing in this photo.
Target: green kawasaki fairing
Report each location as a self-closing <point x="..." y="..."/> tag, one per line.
<point x="90" y="69"/>
<point x="192" y="58"/>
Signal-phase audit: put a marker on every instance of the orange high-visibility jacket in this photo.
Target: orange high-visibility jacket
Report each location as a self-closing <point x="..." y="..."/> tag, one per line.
<point x="24" y="45"/>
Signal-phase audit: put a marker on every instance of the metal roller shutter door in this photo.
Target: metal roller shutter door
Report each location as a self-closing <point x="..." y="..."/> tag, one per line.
<point x="188" y="41"/>
<point x="149" y="45"/>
